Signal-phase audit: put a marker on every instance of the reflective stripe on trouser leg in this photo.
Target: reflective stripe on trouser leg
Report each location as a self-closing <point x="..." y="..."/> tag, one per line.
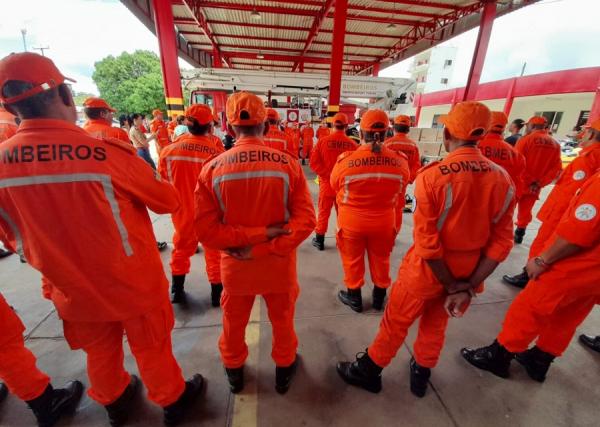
<point x="352" y="247"/>
<point x="212" y="258"/>
<point x="19" y="371"/>
<point x="281" y="308"/>
<point x="524" y="208"/>
<point x="432" y="332"/>
<point x="379" y="250"/>
<point x="236" y="314"/>
<point x="325" y="204"/>
<point x="400" y="313"/>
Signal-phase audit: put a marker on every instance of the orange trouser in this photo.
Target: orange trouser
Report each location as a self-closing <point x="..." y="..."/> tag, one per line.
<point x="185" y="246"/>
<point x="236" y="314"/>
<point x="400" y="203"/>
<point x="326" y="202"/>
<point x="149" y="338"/>
<point x="524" y="208"/>
<point x="400" y="313"/>
<point x="17" y="363"/>
<point x="378" y="245"/>
<point x="543" y="235"/>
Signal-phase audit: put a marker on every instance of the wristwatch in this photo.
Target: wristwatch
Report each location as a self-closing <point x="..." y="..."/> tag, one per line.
<point x="539" y="261"/>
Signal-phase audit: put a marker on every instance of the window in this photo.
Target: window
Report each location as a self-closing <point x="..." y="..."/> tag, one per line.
<point x="583" y="118"/>
<point x="436" y="123"/>
<point x="444" y="81"/>
<point x="447" y="63"/>
<point x="553" y="118"/>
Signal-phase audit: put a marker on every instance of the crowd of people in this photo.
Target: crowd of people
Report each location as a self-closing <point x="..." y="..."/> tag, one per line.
<point x="248" y="205"/>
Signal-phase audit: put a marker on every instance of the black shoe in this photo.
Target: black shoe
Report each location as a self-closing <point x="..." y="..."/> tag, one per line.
<point x="175" y="412"/>
<point x="378" y="297"/>
<point x="215" y="294"/>
<point x="362" y="373"/>
<point x="198" y="249"/>
<point x="519" y="234"/>
<point x="319" y="242"/>
<point x="161" y="246"/>
<point x="352" y="298"/>
<point x="54" y="403"/>
<point x="119" y="410"/>
<point x="235" y="376"/>
<point x="419" y="378"/>
<point x="284" y="376"/>
<point x="519" y="280"/>
<point x="592" y="342"/>
<point x="4" y="253"/>
<point x="408" y="204"/>
<point x="536" y="363"/>
<point x="493" y="358"/>
<point x="177" y="289"/>
<point x="3" y="392"/>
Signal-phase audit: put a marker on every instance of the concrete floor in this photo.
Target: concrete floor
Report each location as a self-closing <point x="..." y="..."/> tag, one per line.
<point x="459" y="394"/>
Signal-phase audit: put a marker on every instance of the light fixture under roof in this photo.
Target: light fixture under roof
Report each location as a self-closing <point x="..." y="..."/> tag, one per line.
<point x="391" y="27"/>
<point x="260" y="56"/>
<point x="255" y="15"/>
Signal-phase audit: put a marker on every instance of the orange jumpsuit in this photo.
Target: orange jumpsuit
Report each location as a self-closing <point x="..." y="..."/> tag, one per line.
<point x="159" y="127"/>
<point x="293" y="134"/>
<point x="551" y="307"/>
<point x="542" y="165"/>
<point x="180" y="164"/>
<point x="17" y="363"/>
<point x="502" y="153"/>
<point x="217" y="141"/>
<point x="307" y="134"/>
<point x="94" y="243"/>
<point x="322" y="160"/>
<point x="571" y="179"/>
<point x="100" y="129"/>
<point x="367" y="186"/>
<point x="464" y="210"/>
<point x="322" y="132"/>
<point x="239" y="193"/>
<point x="280" y="141"/>
<point x="8" y="126"/>
<point x="171" y="128"/>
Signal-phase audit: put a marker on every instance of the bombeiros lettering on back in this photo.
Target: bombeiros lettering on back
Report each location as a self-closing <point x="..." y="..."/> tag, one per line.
<point x="198" y="147"/>
<point x="478" y="166"/>
<point x="253" y="156"/>
<point x="374" y="161"/>
<point x="51" y="152"/>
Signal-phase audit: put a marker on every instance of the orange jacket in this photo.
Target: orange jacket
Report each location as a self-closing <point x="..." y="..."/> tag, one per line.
<point x="402" y="143"/>
<point x="239" y="194"/>
<point x="160" y="128"/>
<point x="368" y="186"/>
<point x="502" y="153"/>
<point x="8" y="126"/>
<point x="322" y="132"/>
<point x="217" y="142"/>
<point x="76" y="208"/>
<point x="325" y="154"/>
<point x="464" y="210"/>
<point x="280" y="141"/>
<point x="171" y="128"/>
<point x="100" y="129"/>
<point x="583" y="167"/>
<point x="542" y="158"/>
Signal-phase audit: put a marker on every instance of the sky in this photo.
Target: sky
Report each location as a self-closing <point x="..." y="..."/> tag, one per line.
<point x="552" y="35"/>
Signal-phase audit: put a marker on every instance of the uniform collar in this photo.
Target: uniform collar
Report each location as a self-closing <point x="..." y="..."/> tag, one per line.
<point x="591" y="147"/>
<point x="492" y="135"/>
<point x="249" y="140"/>
<point x="98" y="122"/>
<point x="464" y="150"/>
<point x="53" y="124"/>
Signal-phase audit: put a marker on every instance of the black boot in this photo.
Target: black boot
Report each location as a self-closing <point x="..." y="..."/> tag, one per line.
<point x="419" y="378"/>
<point x="408" y="204"/>
<point x="536" y="363"/>
<point x="361" y="373"/>
<point x="352" y="298"/>
<point x="3" y="392"/>
<point x="378" y="297"/>
<point x="590" y="341"/>
<point x="54" y="403"/>
<point x="284" y="376"/>
<point x="519" y="234"/>
<point x="4" y="253"/>
<point x="235" y="376"/>
<point x="215" y="294"/>
<point x="493" y="358"/>
<point x="174" y="413"/>
<point x="177" y="289"/>
<point x="119" y="410"/>
<point x="319" y="242"/>
<point x="519" y="280"/>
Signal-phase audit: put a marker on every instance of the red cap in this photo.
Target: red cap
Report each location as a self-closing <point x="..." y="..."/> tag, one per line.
<point x="537" y="120"/>
<point x="31" y="68"/>
<point x="272" y="114"/>
<point x="340" y="118"/>
<point x="498" y="121"/>
<point x="202" y="113"/>
<point x="402" y="120"/>
<point x="374" y="120"/>
<point x="467" y="120"/>
<point x="156" y="111"/>
<point x="245" y="109"/>
<point x="595" y="125"/>
<point x="93" y="102"/>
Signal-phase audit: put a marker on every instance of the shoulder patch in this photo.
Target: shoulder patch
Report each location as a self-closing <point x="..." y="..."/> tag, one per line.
<point x="579" y="175"/>
<point x="120" y="144"/>
<point x="585" y="212"/>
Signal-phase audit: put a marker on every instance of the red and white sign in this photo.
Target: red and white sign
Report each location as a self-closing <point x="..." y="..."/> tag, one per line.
<point x="293" y="116"/>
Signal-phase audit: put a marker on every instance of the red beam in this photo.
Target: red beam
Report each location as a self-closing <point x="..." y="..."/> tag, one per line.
<point x="423" y="3"/>
<point x="288" y="58"/>
<point x="483" y="39"/>
<point x="284" y="40"/>
<point x="337" y="56"/>
<point x="200" y="20"/>
<point x="316" y="26"/>
<point x="392" y="12"/>
<point x="382" y="20"/>
<point x="277" y="49"/>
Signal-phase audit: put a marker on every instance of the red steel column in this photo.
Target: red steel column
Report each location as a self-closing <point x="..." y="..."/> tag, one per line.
<point x="375" y="72"/>
<point x="595" y="110"/>
<point x="510" y="97"/>
<point x="301" y="67"/>
<point x="418" y="112"/>
<point x="217" y="62"/>
<point x="165" y="31"/>
<point x="337" y="56"/>
<point x="483" y="39"/>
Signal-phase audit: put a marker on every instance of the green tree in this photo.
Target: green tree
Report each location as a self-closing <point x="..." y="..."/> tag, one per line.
<point x="131" y="82"/>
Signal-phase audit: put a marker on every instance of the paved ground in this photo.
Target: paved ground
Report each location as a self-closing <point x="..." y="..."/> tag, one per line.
<point x="459" y="394"/>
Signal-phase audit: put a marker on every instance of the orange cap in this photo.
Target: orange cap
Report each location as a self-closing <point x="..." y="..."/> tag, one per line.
<point x="467" y="120"/>
<point x="595" y="125"/>
<point x="537" y="120"/>
<point x="201" y="113"/>
<point x="94" y="102"/>
<point x="340" y="118"/>
<point x="374" y="120"/>
<point x="402" y="120"/>
<point x="272" y="114"/>
<point x="156" y="111"/>
<point x="245" y="109"/>
<point x="31" y="68"/>
<point x="498" y="121"/>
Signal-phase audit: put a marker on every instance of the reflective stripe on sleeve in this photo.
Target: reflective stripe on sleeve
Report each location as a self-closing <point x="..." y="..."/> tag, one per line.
<point x="509" y="196"/>
<point x="447" y="207"/>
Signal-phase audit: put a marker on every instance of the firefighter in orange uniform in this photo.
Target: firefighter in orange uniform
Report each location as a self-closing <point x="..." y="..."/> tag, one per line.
<point x="8" y="125"/>
<point x="171" y="127"/>
<point x="18" y="368"/>
<point x="276" y="138"/>
<point x="119" y="289"/>
<point x="571" y="180"/>
<point x="180" y="164"/>
<point x="322" y="160"/>
<point x="253" y="202"/>
<point x="454" y="251"/>
<point x="100" y="117"/>
<point x="542" y="166"/>
<point x="323" y="130"/>
<point x="367" y="183"/>
<point x="307" y="136"/>
<point x="159" y="127"/>
<point x="562" y="291"/>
